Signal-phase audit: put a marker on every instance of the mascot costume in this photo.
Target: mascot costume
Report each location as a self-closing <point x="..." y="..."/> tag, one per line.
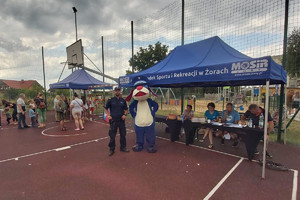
<point x="143" y="110"/>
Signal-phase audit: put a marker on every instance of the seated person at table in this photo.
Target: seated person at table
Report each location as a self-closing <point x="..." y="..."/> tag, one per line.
<point x="212" y="115"/>
<point x="254" y="112"/>
<point x="229" y="116"/>
<point x="189" y="131"/>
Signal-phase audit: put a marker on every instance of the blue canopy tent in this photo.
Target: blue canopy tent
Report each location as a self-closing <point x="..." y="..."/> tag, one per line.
<point x="209" y="63"/>
<point x="80" y="79"/>
<point x="212" y="63"/>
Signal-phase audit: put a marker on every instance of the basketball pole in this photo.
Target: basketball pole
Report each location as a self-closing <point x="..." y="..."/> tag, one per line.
<point x="75" y="11"/>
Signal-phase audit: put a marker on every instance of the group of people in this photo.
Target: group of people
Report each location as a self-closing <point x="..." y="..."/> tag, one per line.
<point x="78" y="107"/>
<point x="116" y="110"/>
<point x="229" y="115"/>
<point x="37" y="109"/>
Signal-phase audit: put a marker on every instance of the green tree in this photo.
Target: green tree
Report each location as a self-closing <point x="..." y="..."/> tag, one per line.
<point x="11" y="94"/>
<point x="293" y="54"/>
<point x="147" y="57"/>
<point x="65" y="92"/>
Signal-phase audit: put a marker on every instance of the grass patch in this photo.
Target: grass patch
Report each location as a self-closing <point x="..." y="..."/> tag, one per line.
<point x="293" y="134"/>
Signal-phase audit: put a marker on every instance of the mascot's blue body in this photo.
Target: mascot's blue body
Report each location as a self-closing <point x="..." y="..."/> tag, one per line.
<point x="143" y="110"/>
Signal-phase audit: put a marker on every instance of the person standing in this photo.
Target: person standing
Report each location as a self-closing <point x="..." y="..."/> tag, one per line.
<point x="77" y="107"/>
<point x="296" y="101"/>
<point x="55" y="101"/>
<point x="36" y="99"/>
<point x="289" y="101"/>
<point x="8" y="116"/>
<point x="116" y="110"/>
<point x="67" y="115"/>
<point x="61" y="110"/>
<point x="254" y="112"/>
<point x="8" y="105"/>
<point x="21" y="112"/>
<point x="32" y="116"/>
<point x="41" y="110"/>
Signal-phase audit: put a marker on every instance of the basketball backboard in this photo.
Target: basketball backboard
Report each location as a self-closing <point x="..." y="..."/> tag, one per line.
<point x="75" y="55"/>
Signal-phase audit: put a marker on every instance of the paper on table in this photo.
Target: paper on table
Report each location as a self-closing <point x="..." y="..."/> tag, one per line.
<point x="234" y="125"/>
<point x="227" y="136"/>
<point x="216" y="123"/>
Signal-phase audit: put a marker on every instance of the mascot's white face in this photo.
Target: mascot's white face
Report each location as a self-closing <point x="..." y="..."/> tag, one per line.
<point x="140" y="93"/>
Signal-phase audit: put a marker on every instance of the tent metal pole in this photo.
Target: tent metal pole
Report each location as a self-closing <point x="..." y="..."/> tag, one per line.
<point x="70" y="104"/>
<point x="266" y="127"/>
<point x="223" y="108"/>
<point x="252" y="94"/>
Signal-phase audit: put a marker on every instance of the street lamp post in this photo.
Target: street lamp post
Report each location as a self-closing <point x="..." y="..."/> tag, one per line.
<point x="75" y="11"/>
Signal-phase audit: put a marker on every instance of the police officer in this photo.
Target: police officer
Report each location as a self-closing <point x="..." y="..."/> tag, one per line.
<point x="117" y="114"/>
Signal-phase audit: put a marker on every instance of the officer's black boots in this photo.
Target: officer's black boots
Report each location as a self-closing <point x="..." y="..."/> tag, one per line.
<point x="111" y="152"/>
<point x="125" y="150"/>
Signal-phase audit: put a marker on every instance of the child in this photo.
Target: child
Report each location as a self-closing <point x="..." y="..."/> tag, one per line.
<point x="8" y="115"/>
<point x="31" y="103"/>
<point x="32" y="116"/>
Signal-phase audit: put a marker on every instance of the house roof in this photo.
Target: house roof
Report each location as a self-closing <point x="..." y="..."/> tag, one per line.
<point x="19" y="84"/>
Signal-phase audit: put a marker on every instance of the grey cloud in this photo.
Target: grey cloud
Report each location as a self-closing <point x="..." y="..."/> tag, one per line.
<point x="12" y="45"/>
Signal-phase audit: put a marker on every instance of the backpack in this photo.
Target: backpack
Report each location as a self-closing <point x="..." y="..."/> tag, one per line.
<point x="42" y="105"/>
<point x="60" y="107"/>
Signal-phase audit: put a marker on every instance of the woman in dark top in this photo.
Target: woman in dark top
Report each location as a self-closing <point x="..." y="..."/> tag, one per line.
<point x="68" y="109"/>
<point x="41" y="110"/>
<point x="8" y="105"/>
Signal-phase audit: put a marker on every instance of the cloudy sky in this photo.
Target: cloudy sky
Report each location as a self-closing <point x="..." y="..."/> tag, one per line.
<point x="255" y="29"/>
<point x="27" y="25"/>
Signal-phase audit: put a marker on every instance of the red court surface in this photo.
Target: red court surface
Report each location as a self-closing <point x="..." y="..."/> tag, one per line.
<point x="49" y="164"/>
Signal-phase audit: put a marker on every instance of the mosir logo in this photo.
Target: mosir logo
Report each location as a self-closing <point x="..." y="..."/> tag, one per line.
<point x="124" y="80"/>
<point x="252" y="66"/>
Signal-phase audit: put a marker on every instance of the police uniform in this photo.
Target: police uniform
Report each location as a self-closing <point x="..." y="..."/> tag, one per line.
<point x="117" y="108"/>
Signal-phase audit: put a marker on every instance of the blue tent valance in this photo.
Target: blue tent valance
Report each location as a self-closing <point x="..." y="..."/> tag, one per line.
<point x="79" y="79"/>
<point x="209" y="63"/>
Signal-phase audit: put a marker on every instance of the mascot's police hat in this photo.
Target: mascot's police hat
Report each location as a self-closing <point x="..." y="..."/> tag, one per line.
<point x="139" y="80"/>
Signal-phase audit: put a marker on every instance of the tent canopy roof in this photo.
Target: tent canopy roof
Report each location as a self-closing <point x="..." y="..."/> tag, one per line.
<point x="79" y="79"/>
<point x="209" y="63"/>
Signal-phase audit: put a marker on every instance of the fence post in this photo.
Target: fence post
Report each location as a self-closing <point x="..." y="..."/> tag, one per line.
<point x="286" y="19"/>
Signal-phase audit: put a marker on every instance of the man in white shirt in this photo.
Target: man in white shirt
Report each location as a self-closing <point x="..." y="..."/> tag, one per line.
<point x="21" y="112"/>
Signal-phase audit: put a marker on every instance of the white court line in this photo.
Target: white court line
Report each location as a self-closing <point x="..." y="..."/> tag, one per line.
<point x="223" y="180"/>
<point x="51" y="150"/>
<point x="295" y="185"/>
<point x="43" y="133"/>
<point x="220" y="152"/>
<point x="63" y="148"/>
<point x="295" y="180"/>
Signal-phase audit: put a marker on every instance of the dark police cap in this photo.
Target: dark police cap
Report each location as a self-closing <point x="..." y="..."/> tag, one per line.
<point x="117" y="88"/>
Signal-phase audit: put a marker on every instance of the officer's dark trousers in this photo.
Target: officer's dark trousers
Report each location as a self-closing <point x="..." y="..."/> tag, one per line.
<point x="114" y="125"/>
